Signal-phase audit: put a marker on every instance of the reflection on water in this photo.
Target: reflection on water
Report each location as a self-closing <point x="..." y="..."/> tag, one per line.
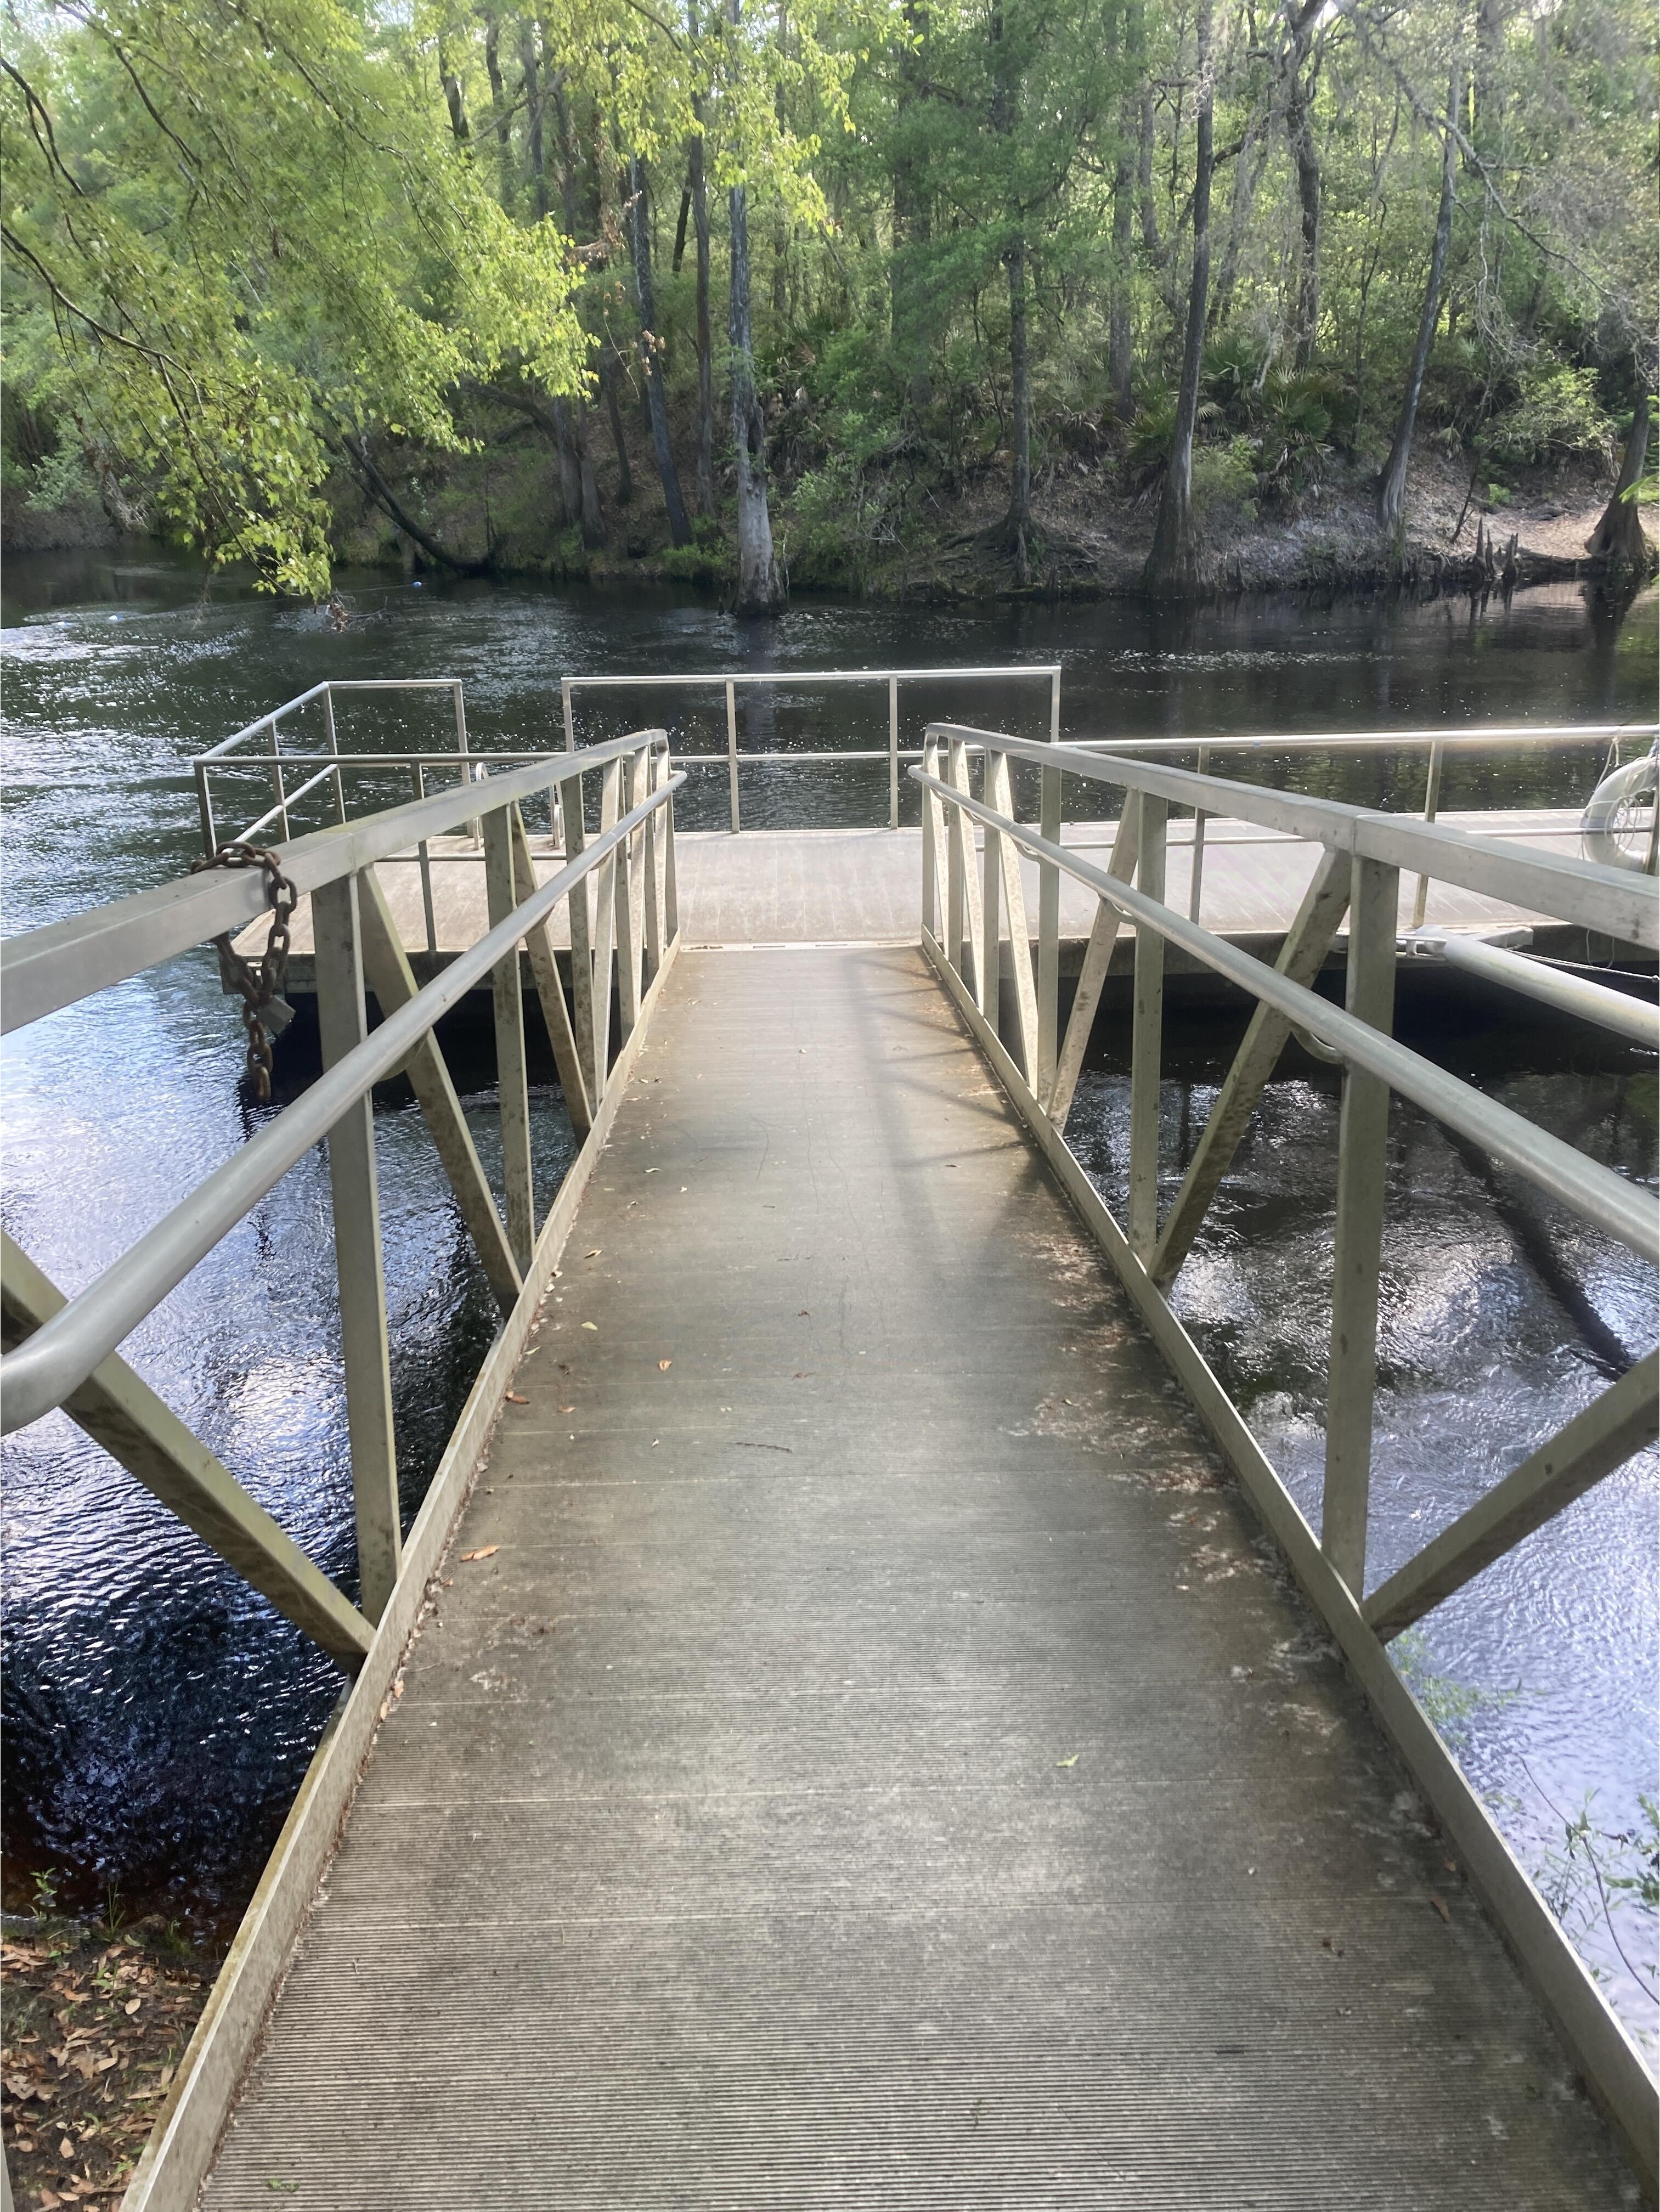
<point x="158" y="1715"/>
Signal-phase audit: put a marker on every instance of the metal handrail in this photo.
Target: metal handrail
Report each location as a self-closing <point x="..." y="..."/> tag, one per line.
<point x="1047" y="672"/>
<point x="1608" y="900"/>
<point x="1555" y="1167"/>
<point x="1358" y="874"/>
<point x="53" y="967"/>
<point x="57" y="1359"/>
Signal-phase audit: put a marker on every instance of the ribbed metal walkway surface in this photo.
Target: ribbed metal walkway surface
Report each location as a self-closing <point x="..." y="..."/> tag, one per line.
<point x="880" y="1762"/>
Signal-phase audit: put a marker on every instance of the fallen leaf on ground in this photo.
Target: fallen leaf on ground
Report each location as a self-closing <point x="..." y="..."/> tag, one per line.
<point x="1441" y="1908"/>
<point x="1072" y="1761"/>
<point x="131" y="2006"/>
<point x="594" y="1325"/>
<point x="663" y="1365"/>
<point x="568" y="1409"/>
<point x="517" y="1398"/>
<point x="594" y="1254"/>
<point x="485" y="1551"/>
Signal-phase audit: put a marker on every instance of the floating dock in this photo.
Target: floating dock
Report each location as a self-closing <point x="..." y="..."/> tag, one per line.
<point x="766" y="887"/>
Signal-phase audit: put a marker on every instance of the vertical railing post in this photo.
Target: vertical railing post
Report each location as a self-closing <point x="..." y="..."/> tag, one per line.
<point x="1196" y="876"/>
<point x="204" y="808"/>
<point x="1362" y="1162"/>
<point x="604" y="927"/>
<point x="1147" y="1036"/>
<point x="512" y="1087"/>
<point x="732" y="754"/>
<point x="652" y="761"/>
<point x="671" y="890"/>
<point x="1432" y="806"/>
<point x="343" y="1024"/>
<point x="468" y="776"/>
<point x="893" y="752"/>
<point x="278" y="782"/>
<point x="930" y="857"/>
<point x="573" y="824"/>
<point x="1049" y="917"/>
<point x="333" y="736"/>
<point x="959" y="859"/>
<point x="630" y="895"/>
<point x="991" y="891"/>
<point x="423" y="853"/>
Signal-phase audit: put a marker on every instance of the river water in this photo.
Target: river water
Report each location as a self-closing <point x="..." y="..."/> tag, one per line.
<point x="158" y="1716"/>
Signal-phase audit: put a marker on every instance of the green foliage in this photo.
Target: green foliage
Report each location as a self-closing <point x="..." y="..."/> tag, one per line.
<point x="249" y="245"/>
<point x="250" y="251"/>
<point x="1224" y="477"/>
<point x="1557" y="414"/>
<point x="62" y="479"/>
<point x="845" y="520"/>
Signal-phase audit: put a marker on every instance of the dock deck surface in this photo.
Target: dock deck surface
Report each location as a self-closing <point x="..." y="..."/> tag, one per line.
<point x="862" y="886"/>
<point x="874" y="1757"/>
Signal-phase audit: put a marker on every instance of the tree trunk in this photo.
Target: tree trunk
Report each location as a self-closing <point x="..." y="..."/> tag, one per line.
<point x="1392" y="489"/>
<point x="570" y="481"/>
<point x="1144" y="178"/>
<point x="1018" y="524"/>
<point x="911" y="227"/>
<point x="533" y="140"/>
<point x="1120" y="368"/>
<point x="1172" y="566"/>
<point x="759" y="588"/>
<point x="700" y="215"/>
<point x="679" y="254"/>
<point x="650" y="347"/>
<point x="1247" y="176"/>
<point x="1618" y="538"/>
<point x="1299" y="131"/>
<point x="608" y="371"/>
<point x="499" y="110"/>
<point x="454" y="98"/>
<point x="577" y="485"/>
<point x="571" y="417"/>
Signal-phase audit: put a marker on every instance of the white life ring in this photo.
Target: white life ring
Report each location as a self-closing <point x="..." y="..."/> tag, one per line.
<point x="1617" y="826"/>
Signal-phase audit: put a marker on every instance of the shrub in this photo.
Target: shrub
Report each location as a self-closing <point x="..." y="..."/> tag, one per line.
<point x="1557" y="415"/>
<point x="1224" y="476"/>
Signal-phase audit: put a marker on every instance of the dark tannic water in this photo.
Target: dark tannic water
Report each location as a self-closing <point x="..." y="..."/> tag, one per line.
<point x="158" y="1716"/>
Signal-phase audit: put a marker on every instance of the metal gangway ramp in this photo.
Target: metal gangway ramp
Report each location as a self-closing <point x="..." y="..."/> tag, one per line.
<point x="857" y="1721"/>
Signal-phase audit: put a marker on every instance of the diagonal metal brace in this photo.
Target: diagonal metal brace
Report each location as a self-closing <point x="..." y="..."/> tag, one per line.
<point x="1097" y="959"/>
<point x="386" y="967"/>
<point x="1592" y="1444"/>
<point x="1301" y="957"/>
<point x="544" y="972"/>
<point x="120" y="1411"/>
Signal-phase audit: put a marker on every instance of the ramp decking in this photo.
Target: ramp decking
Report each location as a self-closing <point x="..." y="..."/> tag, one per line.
<point x="876" y="1759"/>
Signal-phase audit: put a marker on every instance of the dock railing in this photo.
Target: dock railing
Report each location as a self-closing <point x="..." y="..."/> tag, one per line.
<point x="620" y="890"/>
<point x="976" y="931"/>
<point x="259" y="750"/>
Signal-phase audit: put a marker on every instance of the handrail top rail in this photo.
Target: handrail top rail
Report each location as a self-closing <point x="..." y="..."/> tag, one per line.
<point x="1596" y="1192"/>
<point x="1608" y="900"/>
<point x="42" y="970"/>
<point x="330" y="683"/>
<point x="1013" y="669"/>
<point x="58" y="1357"/>
<point x="1480" y="733"/>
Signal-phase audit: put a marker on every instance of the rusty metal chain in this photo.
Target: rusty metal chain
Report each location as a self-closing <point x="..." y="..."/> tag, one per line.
<point x="264" y="1012"/>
